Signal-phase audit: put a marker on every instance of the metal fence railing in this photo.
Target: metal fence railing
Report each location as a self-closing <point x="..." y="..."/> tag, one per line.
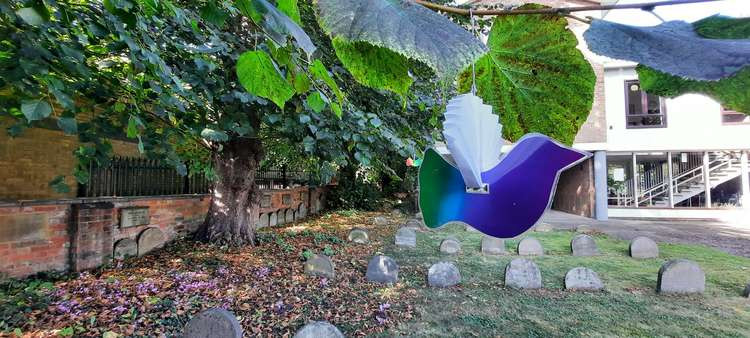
<point x="126" y="176"/>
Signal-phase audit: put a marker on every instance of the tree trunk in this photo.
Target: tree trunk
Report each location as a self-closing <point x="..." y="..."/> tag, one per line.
<point x="235" y="202"/>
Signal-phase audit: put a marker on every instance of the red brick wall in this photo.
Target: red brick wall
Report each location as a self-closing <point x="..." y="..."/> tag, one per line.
<point x="33" y="239"/>
<point x="77" y="235"/>
<point x="80" y="234"/>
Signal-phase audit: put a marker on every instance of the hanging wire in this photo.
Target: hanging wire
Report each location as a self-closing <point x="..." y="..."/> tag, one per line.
<point x="473" y="70"/>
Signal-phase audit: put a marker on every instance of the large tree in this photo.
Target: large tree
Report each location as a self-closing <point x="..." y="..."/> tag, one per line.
<point x="208" y="85"/>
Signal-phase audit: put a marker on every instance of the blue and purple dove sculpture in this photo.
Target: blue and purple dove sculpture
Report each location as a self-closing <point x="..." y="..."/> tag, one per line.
<point x="499" y="196"/>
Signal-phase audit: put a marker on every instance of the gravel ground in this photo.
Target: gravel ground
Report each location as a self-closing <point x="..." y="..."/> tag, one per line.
<point x="730" y="237"/>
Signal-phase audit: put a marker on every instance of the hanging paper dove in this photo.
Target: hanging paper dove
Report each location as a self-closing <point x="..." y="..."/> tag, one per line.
<point x="472" y="135"/>
<point x="672" y="47"/>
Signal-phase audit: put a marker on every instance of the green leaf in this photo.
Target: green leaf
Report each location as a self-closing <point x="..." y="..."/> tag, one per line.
<point x="36" y="109"/>
<point x="289" y="7"/>
<point x="301" y="83"/>
<point x="132" y="130"/>
<point x="257" y="73"/>
<point x="214" y="15"/>
<point x="30" y="16"/>
<point x="214" y="135"/>
<point x="336" y="108"/>
<point x="405" y="28"/>
<point x="316" y="102"/>
<point x="731" y="91"/>
<point x="373" y="66"/>
<point x="320" y="72"/>
<point x="534" y="77"/>
<point x="68" y="125"/>
<point x="275" y="23"/>
<point x="58" y="185"/>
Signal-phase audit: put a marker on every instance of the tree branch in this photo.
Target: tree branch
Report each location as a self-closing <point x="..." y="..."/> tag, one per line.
<point x="558" y="10"/>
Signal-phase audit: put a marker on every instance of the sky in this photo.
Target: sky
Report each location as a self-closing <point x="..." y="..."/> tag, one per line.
<point x="686" y="12"/>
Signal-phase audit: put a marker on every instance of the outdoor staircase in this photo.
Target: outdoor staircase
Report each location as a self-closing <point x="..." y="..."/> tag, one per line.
<point x="722" y="167"/>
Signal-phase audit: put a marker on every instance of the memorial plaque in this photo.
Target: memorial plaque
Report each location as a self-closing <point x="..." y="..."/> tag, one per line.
<point x="265" y="201"/>
<point x="130" y="217"/>
<point x="286" y="199"/>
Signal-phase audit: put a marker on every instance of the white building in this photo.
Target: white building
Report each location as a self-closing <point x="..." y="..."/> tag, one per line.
<point x="684" y="157"/>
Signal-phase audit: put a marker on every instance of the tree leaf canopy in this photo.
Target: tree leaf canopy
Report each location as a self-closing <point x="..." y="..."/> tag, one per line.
<point x="672" y="47"/>
<point x="257" y="73"/>
<point x="534" y="77"/>
<point x="277" y="24"/>
<point x="732" y="91"/>
<point x="373" y="66"/>
<point x="404" y="27"/>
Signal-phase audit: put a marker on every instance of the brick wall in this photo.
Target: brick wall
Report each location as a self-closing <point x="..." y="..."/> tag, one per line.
<point x="80" y="234"/>
<point x="30" y="161"/>
<point x="575" y="190"/>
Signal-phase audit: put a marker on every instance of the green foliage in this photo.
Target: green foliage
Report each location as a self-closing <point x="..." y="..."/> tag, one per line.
<point x="289" y="7"/>
<point x="732" y="91"/>
<point x="534" y="77"/>
<point x="373" y="66"/>
<point x="317" y="102"/>
<point x="18" y="298"/>
<point x="723" y="27"/>
<point x="257" y="73"/>
<point x="405" y="28"/>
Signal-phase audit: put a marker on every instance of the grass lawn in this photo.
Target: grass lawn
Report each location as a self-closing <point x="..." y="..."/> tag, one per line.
<point x="265" y="286"/>
<point x="481" y="306"/>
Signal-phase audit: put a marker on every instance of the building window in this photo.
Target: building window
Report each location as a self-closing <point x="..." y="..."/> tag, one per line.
<point x="733" y="117"/>
<point x="643" y="110"/>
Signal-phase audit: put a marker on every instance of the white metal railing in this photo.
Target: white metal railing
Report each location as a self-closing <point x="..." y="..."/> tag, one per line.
<point x="650" y="189"/>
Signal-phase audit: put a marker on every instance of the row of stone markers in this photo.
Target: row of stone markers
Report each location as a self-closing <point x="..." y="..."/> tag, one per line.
<point x="675" y="276"/>
<point x="220" y="323"/>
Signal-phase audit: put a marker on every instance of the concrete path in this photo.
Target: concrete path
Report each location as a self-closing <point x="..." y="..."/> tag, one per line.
<point x="732" y="237"/>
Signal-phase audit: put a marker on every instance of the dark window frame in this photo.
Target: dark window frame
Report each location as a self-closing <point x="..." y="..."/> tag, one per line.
<point x="725" y="112"/>
<point x="644" y="103"/>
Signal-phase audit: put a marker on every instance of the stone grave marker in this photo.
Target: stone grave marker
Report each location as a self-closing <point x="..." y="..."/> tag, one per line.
<point x="263" y="220"/>
<point x="746" y="293"/>
<point x="681" y="276"/>
<point x="406" y="237"/>
<point x="414" y="224"/>
<point x="289" y="215"/>
<point x="359" y="236"/>
<point x="396" y="213"/>
<point x="281" y="217"/>
<point x="450" y="246"/>
<point x="543" y="227"/>
<point x="581" y="278"/>
<point x="320" y="265"/>
<point x="530" y="246"/>
<point x="443" y="275"/>
<point x="382" y="269"/>
<point x="380" y="221"/>
<point x="150" y="239"/>
<point x="215" y="322"/>
<point x="125" y="247"/>
<point x="643" y="247"/>
<point x="320" y="329"/>
<point x="301" y="211"/>
<point x="522" y="273"/>
<point x="583" y="245"/>
<point x="493" y="246"/>
<point x="273" y="219"/>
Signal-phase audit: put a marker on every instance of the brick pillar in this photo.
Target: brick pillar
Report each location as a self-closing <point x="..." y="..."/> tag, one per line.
<point x="92" y="235"/>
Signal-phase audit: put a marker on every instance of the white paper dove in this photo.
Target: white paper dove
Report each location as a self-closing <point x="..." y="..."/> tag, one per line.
<point x="473" y="136"/>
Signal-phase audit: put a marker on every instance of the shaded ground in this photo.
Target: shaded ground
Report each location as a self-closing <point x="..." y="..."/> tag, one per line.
<point x="732" y="237"/>
<point x="481" y="306"/>
<point x="267" y="289"/>
<point x="264" y="286"/>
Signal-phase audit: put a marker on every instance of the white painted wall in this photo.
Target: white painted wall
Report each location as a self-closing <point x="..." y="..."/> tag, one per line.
<point x="693" y="122"/>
